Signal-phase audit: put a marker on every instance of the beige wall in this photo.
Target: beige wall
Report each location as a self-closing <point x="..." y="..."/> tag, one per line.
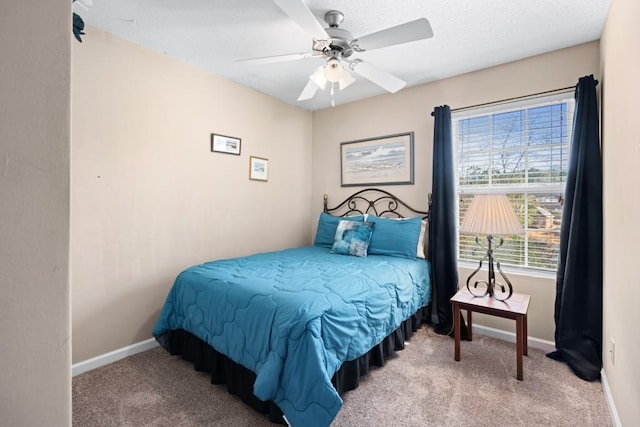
<point x="410" y="109"/>
<point x="35" y="382"/>
<point x="149" y="198"/>
<point x="621" y="156"/>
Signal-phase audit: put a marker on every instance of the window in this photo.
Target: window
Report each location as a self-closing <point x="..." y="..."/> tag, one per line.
<point x="521" y="150"/>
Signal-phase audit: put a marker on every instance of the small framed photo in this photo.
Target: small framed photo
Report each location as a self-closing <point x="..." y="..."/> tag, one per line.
<point x="258" y="168"/>
<point x="225" y="144"/>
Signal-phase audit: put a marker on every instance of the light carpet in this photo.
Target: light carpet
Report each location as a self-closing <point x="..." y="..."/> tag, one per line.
<point x="421" y="386"/>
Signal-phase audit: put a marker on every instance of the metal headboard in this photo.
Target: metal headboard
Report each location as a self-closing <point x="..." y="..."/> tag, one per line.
<point x="377" y="202"/>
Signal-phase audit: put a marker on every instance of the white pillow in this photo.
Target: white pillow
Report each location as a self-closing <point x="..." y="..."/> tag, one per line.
<point x="423" y="240"/>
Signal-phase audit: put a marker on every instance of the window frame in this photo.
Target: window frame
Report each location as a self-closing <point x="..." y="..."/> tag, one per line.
<point x="523" y="188"/>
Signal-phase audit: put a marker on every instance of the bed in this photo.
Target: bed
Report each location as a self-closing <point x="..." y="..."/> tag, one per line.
<point x="290" y="331"/>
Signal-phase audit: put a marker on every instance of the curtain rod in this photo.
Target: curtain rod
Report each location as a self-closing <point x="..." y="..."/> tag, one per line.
<point x="515" y="98"/>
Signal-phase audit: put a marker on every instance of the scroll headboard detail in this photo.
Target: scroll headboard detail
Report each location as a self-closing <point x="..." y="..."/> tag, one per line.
<point x="377" y="202"/>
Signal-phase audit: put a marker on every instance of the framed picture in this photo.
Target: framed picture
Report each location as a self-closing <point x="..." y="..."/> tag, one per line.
<point x="258" y="168"/>
<point x="386" y="160"/>
<point x="225" y="144"/>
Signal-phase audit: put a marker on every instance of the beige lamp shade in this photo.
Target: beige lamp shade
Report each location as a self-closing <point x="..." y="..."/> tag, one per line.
<point x="491" y="214"/>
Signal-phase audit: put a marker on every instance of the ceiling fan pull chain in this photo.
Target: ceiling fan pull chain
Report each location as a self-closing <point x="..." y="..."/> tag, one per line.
<point x="333" y="101"/>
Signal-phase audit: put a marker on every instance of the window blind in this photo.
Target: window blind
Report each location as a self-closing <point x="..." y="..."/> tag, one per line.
<point x="521" y="150"/>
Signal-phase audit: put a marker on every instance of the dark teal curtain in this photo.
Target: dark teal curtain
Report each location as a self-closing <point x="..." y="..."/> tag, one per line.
<point x="442" y="227"/>
<point x="578" y="307"/>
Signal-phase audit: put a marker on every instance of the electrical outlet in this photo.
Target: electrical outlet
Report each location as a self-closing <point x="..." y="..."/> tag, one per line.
<point x="612" y="351"/>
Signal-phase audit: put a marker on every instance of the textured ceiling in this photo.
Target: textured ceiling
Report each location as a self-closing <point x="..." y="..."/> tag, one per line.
<point x="468" y="35"/>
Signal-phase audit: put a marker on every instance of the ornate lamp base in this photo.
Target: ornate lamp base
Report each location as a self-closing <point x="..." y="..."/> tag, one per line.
<point x="495" y="289"/>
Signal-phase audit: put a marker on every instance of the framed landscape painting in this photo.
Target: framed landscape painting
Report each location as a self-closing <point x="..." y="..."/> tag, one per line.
<point x="258" y="168"/>
<point x="225" y="144"/>
<point x="385" y="160"/>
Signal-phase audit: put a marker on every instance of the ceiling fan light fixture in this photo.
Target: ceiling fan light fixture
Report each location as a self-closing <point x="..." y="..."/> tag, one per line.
<point x="333" y="71"/>
<point x="318" y="78"/>
<point x="345" y="80"/>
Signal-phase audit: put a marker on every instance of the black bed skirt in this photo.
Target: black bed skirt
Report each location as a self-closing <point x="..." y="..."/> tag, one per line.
<point x="240" y="380"/>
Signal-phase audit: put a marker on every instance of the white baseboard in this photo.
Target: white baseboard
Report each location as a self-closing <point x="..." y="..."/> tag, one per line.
<point x="511" y="337"/>
<point x="112" y="356"/>
<point x="615" y="418"/>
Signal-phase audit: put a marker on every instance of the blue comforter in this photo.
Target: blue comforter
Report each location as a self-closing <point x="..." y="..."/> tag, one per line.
<point x="294" y="316"/>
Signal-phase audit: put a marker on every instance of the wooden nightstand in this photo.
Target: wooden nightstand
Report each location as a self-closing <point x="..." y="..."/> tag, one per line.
<point x="515" y="308"/>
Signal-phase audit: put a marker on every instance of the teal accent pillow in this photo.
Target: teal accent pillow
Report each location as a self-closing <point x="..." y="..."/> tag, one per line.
<point x="327" y="224"/>
<point x="352" y="238"/>
<point x="395" y="236"/>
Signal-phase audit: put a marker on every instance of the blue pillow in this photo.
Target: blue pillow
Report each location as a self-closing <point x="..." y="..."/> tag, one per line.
<point x="395" y="236"/>
<point x="327" y="225"/>
<point x="352" y="238"/>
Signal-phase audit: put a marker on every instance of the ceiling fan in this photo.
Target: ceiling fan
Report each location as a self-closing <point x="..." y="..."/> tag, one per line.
<point x="337" y="45"/>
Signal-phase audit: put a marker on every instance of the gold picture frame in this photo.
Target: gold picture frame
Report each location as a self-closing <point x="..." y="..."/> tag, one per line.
<point x="258" y="168"/>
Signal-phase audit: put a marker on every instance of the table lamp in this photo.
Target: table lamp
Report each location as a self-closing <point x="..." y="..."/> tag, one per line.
<point x="492" y="215"/>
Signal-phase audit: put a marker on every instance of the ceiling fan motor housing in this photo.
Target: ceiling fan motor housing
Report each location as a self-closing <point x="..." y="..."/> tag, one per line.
<point x="340" y="41"/>
<point x="339" y="45"/>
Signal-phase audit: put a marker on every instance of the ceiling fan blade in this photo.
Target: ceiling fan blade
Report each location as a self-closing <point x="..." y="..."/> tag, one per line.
<point x="380" y="77"/>
<point x="308" y="92"/>
<point x="404" y="33"/>
<point x="301" y="14"/>
<point x="280" y="58"/>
